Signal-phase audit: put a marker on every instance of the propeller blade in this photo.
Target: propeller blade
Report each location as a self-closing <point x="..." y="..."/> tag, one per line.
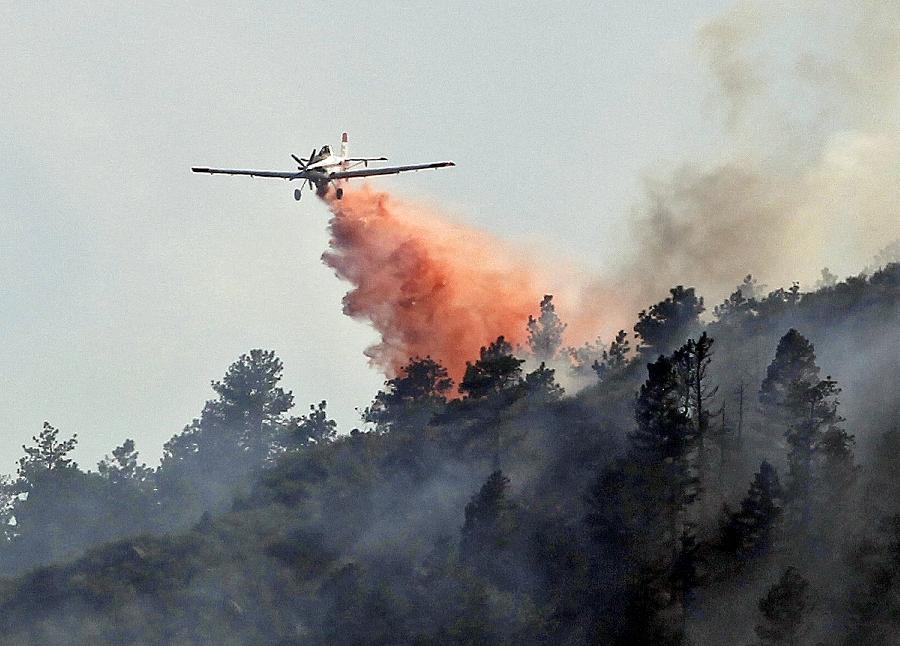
<point x="297" y="159"/>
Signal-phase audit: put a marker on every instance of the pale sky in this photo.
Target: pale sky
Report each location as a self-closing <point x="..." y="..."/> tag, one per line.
<point x="127" y="283"/>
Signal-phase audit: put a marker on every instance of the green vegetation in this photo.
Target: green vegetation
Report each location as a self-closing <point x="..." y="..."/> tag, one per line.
<point x="647" y="508"/>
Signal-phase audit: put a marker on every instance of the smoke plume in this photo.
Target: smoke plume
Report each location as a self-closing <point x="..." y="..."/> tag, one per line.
<point x="808" y="173"/>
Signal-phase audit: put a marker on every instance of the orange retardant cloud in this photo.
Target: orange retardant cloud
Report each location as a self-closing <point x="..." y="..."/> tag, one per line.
<point x="429" y="286"/>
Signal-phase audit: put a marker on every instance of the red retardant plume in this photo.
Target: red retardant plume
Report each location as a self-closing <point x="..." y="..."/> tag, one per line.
<point x="429" y="286"/>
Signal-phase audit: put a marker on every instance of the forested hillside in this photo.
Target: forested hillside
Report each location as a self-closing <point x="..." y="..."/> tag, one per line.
<point x="731" y="476"/>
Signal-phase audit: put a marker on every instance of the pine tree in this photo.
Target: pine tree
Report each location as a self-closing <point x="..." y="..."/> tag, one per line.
<point x="784" y="610"/>
<point x="123" y="465"/>
<point x="820" y="450"/>
<point x="545" y="332"/>
<point x="315" y="427"/>
<point x="251" y="405"/>
<point x="412" y="397"/>
<point x="489" y="527"/>
<point x="615" y="359"/>
<point x="540" y="385"/>
<point x="662" y="448"/>
<point x="496" y="370"/>
<point x="49" y="453"/>
<point x="740" y="304"/>
<point x="668" y="323"/>
<point x="794" y="364"/>
<point x="692" y="364"/>
<point x="750" y="531"/>
<point x="236" y="435"/>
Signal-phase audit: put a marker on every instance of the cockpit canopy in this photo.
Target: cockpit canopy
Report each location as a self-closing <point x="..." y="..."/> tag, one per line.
<point x="325" y="152"/>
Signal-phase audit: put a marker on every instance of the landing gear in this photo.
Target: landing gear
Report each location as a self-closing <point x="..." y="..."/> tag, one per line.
<point x="339" y="193"/>
<point x="297" y="194"/>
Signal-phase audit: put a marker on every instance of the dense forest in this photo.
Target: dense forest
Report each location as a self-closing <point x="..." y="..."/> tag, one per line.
<point x="730" y="476"/>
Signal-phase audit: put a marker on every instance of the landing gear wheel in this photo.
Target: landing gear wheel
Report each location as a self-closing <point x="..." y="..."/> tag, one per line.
<point x="297" y="194"/>
<point x="339" y="193"/>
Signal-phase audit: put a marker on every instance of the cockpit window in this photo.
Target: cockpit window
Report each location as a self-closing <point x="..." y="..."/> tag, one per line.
<point x="326" y="150"/>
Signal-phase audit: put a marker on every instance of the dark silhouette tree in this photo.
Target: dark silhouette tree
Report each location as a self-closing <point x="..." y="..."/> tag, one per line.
<point x="59" y="510"/>
<point x="740" y="304"/>
<point x="7" y="504"/>
<point x="49" y="453"/>
<point x="541" y="387"/>
<point x="236" y="435"/>
<point x="123" y="465"/>
<point x="820" y="451"/>
<point x="545" y="332"/>
<point x="750" y="531"/>
<point x="662" y="448"/>
<point x="784" y="609"/>
<point x="615" y="358"/>
<point x="251" y="405"/>
<point x="315" y="427"/>
<point x="692" y="362"/>
<point x="495" y="371"/>
<point x="489" y="527"/>
<point x="412" y="397"/>
<point x="667" y="324"/>
<point x="794" y="367"/>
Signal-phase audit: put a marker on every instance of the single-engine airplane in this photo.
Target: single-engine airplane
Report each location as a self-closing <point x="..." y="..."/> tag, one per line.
<point x="324" y="167"/>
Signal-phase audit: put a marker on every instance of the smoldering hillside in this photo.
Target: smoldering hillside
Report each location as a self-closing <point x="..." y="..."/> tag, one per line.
<point x="499" y="509"/>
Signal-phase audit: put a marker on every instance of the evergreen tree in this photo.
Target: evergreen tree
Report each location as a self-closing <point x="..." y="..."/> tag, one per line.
<point x="784" y="609"/>
<point x="495" y="371"/>
<point x="663" y="445"/>
<point x="614" y="359"/>
<point x="49" y="453"/>
<point x="545" y="332"/>
<point x="585" y="359"/>
<point x="236" y="434"/>
<point x="668" y="323"/>
<point x="123" y="465"/>
<point x="740" y="304"/>
<point x="692" y="363"/>
<point x="489" y="527"/>
<point x="64" y="510"/>
<point x="750" y="531"/>
<point x="7" y="503"/>
<point x="820" y="451"/>
<point x="541" y="387"/>
<point x="828" y="279"/>
<point x="315" y="427"/>
<point x="792" y="371"/>
<point x="412" y="397"/>
<point x="251" y="406"/>
<point x="640" y="615"/>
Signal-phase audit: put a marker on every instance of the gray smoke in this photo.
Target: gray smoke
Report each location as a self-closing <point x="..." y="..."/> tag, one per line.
<point x="808" y="175"/>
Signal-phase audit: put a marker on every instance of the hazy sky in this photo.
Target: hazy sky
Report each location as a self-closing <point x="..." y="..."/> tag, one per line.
<point x="127" y="283"/>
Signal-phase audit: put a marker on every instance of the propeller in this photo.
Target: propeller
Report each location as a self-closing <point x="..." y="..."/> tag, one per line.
<point x="303" y="164"/>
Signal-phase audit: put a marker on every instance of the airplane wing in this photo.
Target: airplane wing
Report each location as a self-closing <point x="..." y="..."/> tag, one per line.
<point x="389" y="170"/>
<point x="251" y="173"/>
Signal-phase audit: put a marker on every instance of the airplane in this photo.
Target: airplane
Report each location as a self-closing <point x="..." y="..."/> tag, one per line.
<point x="324" y="168"/>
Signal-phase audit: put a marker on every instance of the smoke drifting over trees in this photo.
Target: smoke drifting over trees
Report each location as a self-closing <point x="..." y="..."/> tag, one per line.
<point x="715" y="486"/>
<point x="810" y="167"/>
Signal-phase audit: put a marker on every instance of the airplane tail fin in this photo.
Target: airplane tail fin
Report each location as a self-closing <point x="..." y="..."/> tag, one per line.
<point x="345" y="145"/>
